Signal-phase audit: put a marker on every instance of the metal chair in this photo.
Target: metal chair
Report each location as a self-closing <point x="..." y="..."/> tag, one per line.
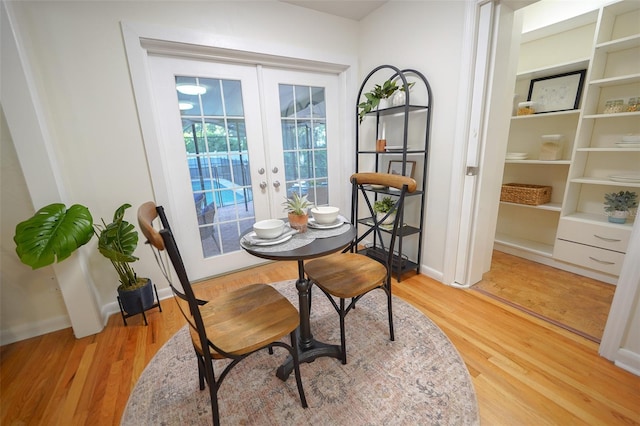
<point x="359" y="270"/>
<point x="234" y="325"/>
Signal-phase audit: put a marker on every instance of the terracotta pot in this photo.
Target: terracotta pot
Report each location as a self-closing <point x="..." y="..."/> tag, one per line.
<point x="299" y="222"/>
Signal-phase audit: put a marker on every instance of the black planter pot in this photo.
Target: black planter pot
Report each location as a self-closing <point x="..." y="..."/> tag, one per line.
<point x="130" y="299"/>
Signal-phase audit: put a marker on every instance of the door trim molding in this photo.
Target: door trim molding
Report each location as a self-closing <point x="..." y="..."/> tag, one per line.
<point x="141" y="39"/>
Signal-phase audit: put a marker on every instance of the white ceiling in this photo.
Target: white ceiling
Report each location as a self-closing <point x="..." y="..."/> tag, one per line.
<point x="351" y="9"/>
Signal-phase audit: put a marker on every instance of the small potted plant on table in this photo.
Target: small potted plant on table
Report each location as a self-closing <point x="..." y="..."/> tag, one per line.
<point x="297" y="209"/>
<point x="619" y="204"/>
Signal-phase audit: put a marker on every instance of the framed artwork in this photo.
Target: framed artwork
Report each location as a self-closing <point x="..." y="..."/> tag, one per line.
<point x="559" y="92"/>
<point x="395" y="168"/>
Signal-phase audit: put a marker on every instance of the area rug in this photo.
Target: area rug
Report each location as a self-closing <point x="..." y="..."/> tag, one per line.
<point x="419" y="378"/>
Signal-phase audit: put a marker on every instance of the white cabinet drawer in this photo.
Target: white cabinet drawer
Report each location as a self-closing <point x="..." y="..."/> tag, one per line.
<point x="609" y="262"/>
<point x="610" y="237"/>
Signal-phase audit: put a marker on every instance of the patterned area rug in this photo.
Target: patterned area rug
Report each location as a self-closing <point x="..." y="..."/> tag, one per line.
<point x="418" y="379"/>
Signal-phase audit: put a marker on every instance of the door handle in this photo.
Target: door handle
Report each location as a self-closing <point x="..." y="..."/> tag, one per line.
<point x="276" y="183"/>
<point x="261" y="171"/>
<point x="263" y="185"/>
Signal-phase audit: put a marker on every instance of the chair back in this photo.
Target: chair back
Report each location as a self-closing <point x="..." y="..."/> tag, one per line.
<point x="163" y="240"/>
<point x="383" y="228"/>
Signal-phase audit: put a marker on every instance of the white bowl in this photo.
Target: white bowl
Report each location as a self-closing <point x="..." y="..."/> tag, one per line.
<point x="325" y="215"/>
<point x="270" y="228"/>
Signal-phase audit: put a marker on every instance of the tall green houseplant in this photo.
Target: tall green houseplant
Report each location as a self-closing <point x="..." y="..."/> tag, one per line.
<point x="117" y="241"/>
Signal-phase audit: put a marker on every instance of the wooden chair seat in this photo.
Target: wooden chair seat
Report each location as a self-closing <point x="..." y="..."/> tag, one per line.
<point x="351" y="275"/>
<point x="241" y="321"/>
<point x="233" y="325"/>
<point x="347" y="275"/>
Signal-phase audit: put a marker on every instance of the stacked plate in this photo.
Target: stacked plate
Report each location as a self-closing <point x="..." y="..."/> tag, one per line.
<point x="626" y="178"/>
<point x="629" y="141"/>
<point x="517" y="156"/>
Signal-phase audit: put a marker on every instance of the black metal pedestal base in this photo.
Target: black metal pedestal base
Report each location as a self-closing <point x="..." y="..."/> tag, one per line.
<point x="309" y="354"/>
<point x="142" y="310"/>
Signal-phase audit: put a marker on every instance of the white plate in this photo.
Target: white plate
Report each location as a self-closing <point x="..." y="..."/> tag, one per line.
<point x="625" y="178"/>
<point x="312" y="224"/>
<point x="275" y="241"/>
<point x="631" y="139"/>
<point x="627" y="145"/>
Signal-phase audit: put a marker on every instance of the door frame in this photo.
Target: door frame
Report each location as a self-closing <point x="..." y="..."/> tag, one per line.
<point x="141" y="39"/>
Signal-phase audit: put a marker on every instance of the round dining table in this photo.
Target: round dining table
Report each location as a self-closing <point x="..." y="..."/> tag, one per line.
<point x="308" y="348"/>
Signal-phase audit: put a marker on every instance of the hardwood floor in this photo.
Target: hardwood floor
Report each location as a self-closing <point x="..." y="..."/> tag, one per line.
<point x="525" y="371"/>
<point x="579" y="303"/>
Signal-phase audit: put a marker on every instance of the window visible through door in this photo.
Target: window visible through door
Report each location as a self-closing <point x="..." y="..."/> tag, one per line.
<point x="215" y="141"/>
<point x="304" y="141"/>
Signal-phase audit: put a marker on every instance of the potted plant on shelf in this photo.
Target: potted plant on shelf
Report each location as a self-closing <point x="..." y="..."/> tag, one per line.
<point x="382" y="207"/>
<point x="377" y="98"/>
<point x="117" y="241"/>
<point x="297" y="209"/>
<point x="619" y="204"/>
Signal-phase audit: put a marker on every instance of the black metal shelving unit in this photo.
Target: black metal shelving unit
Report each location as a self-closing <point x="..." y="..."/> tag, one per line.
<point x="404" y="114"/>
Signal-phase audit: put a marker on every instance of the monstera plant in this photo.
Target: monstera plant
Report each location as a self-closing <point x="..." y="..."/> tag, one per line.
<point x="52" y="234"/>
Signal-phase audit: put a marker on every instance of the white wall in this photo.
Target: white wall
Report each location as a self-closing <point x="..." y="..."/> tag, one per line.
<point x="82" y="80"/>
<point x="28" y="299"/>
<point x="426" y="36"/>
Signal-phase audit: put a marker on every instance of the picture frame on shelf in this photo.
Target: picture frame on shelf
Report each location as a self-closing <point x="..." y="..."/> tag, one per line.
<point x="395" y="168"/>
<point x="560" y="92"/>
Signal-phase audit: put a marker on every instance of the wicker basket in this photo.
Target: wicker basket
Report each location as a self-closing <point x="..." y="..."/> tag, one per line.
<point x="522" y="193"/>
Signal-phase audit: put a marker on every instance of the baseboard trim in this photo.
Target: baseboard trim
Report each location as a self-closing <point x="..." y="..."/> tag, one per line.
<point x="33" y="329"/>
<point x="629" y="361"/>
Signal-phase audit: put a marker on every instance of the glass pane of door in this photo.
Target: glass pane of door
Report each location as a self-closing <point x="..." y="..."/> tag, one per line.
<point x="215" y="141"/>
<point x="304" y="141"/>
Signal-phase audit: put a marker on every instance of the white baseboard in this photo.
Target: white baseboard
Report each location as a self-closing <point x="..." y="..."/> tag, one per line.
<point x="432" y="273"/>
<point x="628" y="360"/>
<point x="33" y="329"/>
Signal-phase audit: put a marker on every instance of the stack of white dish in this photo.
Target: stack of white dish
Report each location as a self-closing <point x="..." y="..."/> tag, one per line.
<point x="517" y="156"/>
<point x="629" y="141"/>
<point x="626" y="178"/>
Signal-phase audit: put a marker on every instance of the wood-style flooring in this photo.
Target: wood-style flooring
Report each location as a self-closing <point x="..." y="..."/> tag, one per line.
<point x="578" y="303"/>
<point x="525" y="371"/>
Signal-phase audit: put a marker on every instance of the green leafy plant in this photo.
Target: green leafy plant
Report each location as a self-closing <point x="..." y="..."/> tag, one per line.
<point x="379" y="92"/>
<point x="52" y="234"/>
<point x="117" y="241"/>
<point x="384" y="205"/>
<point x="620" y="201"/>
<point x="297" y="204"/>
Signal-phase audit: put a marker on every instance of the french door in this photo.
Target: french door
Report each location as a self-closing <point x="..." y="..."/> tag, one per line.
<point x="235" y="140"/>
